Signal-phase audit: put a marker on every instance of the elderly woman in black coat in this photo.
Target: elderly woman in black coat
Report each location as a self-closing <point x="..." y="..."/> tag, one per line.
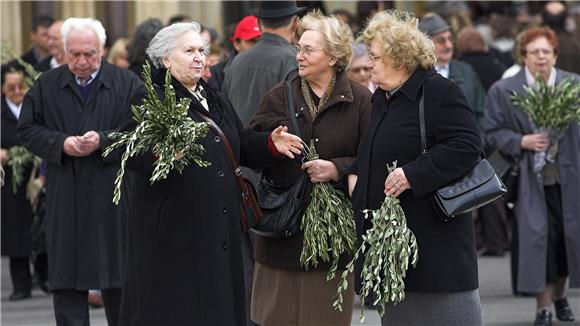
<point x="442" y="288"/>
<point x="184" y="263"/>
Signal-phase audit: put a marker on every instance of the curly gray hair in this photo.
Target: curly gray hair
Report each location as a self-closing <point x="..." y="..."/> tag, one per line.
<point x="163" y="42"/>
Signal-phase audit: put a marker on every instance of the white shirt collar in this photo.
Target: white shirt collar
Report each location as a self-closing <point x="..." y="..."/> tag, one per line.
<point x="14" y="107"/>
<point x="93" y="76"/>
<point x="54" y="63"/>
<point x="531" y="80"/>
<point x="443" y="70"/>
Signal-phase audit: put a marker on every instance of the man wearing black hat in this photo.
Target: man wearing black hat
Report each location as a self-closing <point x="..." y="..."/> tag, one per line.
<point x="253" y="73"/>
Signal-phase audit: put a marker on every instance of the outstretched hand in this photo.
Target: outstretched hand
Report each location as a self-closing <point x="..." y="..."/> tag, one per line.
<point x="286" y="143"/>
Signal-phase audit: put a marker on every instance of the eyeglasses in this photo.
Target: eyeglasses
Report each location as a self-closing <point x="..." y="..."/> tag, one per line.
<point x="443" y="39"/>
<point x="536" y="52"/>
<point x="358" y="70"/>
<point x="374" y="58"/>
<point x="305" y="50"/>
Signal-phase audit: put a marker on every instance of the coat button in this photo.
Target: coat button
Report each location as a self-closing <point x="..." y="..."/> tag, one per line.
<point x="51" y="141"/>
<point x="217" y="139"/>
<point x="341" y="96"/>
<point x="221" y="174"/>
<point x="225" y="246"/>
<point x="225" y="211"/>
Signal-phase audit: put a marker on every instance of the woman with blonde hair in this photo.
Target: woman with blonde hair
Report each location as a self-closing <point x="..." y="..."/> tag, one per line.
<point x="118" y="54"/>
<point x="443" y="288"/>
<point x="333" y="112"/>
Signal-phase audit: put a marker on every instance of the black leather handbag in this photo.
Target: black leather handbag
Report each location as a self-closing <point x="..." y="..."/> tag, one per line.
<point x="478" y="187"/>
<point x="282" y="206"/>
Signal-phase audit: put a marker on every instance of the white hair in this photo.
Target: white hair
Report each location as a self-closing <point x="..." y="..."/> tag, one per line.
<point x="163" y="42"/>
<point x="83" y="24"/>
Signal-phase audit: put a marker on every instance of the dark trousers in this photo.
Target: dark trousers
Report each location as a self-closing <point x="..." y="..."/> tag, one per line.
<point x="20" y="274"/>
<point x="72" y="309"/>
<point x="494" y="226"/>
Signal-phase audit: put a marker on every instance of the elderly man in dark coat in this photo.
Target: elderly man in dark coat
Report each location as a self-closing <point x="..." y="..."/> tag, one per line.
<point x="65" y="119"/>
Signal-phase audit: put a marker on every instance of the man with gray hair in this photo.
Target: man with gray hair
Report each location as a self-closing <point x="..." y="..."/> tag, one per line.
<point x="66" y="118"/>
<point x="459" y="72"/>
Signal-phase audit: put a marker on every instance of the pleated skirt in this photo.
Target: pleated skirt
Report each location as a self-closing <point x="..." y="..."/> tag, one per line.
<point x="449" y="309"/>
<point x="287" y="297"/>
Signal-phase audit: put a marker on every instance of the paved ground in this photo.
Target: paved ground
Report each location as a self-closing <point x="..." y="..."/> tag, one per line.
<point x="499" y="306"/>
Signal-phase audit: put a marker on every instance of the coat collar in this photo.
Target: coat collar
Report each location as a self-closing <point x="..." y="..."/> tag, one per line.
<point x="6" y="113"/>
<point x="410" y="88"/>
<point x="342" y="90"/>
<point x="104" y="77"/>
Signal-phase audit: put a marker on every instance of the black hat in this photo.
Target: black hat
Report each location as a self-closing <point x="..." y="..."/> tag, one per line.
<point x="276" y="9"/>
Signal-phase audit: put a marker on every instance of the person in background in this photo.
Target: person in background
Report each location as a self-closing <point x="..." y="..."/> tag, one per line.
<point x="459" y="72"/>
<point x="184" y="261"/>
<point x="547" y="207"/>
<point x="359" y="70"/>
<point x="443" y="287"/>
<point x="57" y="56"/>
<point x="179" y="18"/>
<point x="17" y="213"/>
<point x="472" y="49"/>
<point x="246" y="35"/>
<point x="39" y="39"/>
<point x="66" y="118"/>
<point x="325" y="100"/>
<point x="555" y="16"/>
<point x="253" y="73"/>
<point x="213" y="58"/>
<point x="144" y="32"/>
<point x="118" y="54"/>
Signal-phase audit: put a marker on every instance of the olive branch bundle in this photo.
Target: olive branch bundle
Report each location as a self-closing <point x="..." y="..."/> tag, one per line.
<point x="551" y="106"/>
<point x="18" y="159"/>
<point x="164" y="128"/>
<point x="328" y="224"/>
<point x="388" y="247"/>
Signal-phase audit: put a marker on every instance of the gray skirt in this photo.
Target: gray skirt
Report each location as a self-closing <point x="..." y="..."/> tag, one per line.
<point x="459" y="308"/>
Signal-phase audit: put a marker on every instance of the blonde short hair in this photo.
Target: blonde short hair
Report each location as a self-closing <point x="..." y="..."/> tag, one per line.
<point x="401" y="40"/>
<point x="337" y="36"/>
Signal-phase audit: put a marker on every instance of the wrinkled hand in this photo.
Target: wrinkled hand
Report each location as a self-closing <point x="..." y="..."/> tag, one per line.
<point x="285" y="142"/>
<point x="396" y="183"/>
<point x="321" y="171"/>
<point x="537" y="142"/>
<point x="3" y="156"/>
<point x="79" y="146"/>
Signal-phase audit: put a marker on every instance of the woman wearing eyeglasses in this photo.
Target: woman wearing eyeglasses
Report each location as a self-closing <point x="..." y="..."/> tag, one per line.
<point x="443" y="288"/>
<point x="547" y="206"/>
<point x="359" y="70"/>
<point x="332" y="111"/>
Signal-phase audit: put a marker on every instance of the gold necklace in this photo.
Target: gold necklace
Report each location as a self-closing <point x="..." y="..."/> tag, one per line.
<point x="314" y="109"/>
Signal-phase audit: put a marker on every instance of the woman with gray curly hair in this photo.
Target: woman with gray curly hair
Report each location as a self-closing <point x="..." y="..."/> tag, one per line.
<point x="443" y="288"/>
<point x="184" y="259"/>
<point x="333" y="112"/>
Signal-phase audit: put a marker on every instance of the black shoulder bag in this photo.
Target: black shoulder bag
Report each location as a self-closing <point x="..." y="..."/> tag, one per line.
<point x="478" y="187"/>
<point x="282" y="206"/>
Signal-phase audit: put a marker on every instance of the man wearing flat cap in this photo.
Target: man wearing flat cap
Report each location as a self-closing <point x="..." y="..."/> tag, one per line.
<point x="459" y="72"/>
<point x="253" y="73"/>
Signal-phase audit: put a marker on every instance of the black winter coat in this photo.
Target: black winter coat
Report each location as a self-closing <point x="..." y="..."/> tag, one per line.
<point x="16" y="210"/>
<point x="447" y="254"/>
<point x="84" y="229"/>
<point x="184" y="259"/>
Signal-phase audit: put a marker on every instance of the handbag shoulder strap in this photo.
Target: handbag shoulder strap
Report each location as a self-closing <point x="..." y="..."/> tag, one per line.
<point x="422" y="121"/>
<point x="292" y="112"/>
<point x="227" y="145"/>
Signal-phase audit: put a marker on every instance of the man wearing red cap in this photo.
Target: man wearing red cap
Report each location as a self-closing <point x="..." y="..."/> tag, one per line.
<point x="246" y="34"/>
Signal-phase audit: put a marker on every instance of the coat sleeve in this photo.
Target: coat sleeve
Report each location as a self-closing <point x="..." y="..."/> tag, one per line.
<point x="124" y="120"/>
<point x="457" y="144"/>
<point x="32" y="131"/>
<point x="497" y="128"/>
